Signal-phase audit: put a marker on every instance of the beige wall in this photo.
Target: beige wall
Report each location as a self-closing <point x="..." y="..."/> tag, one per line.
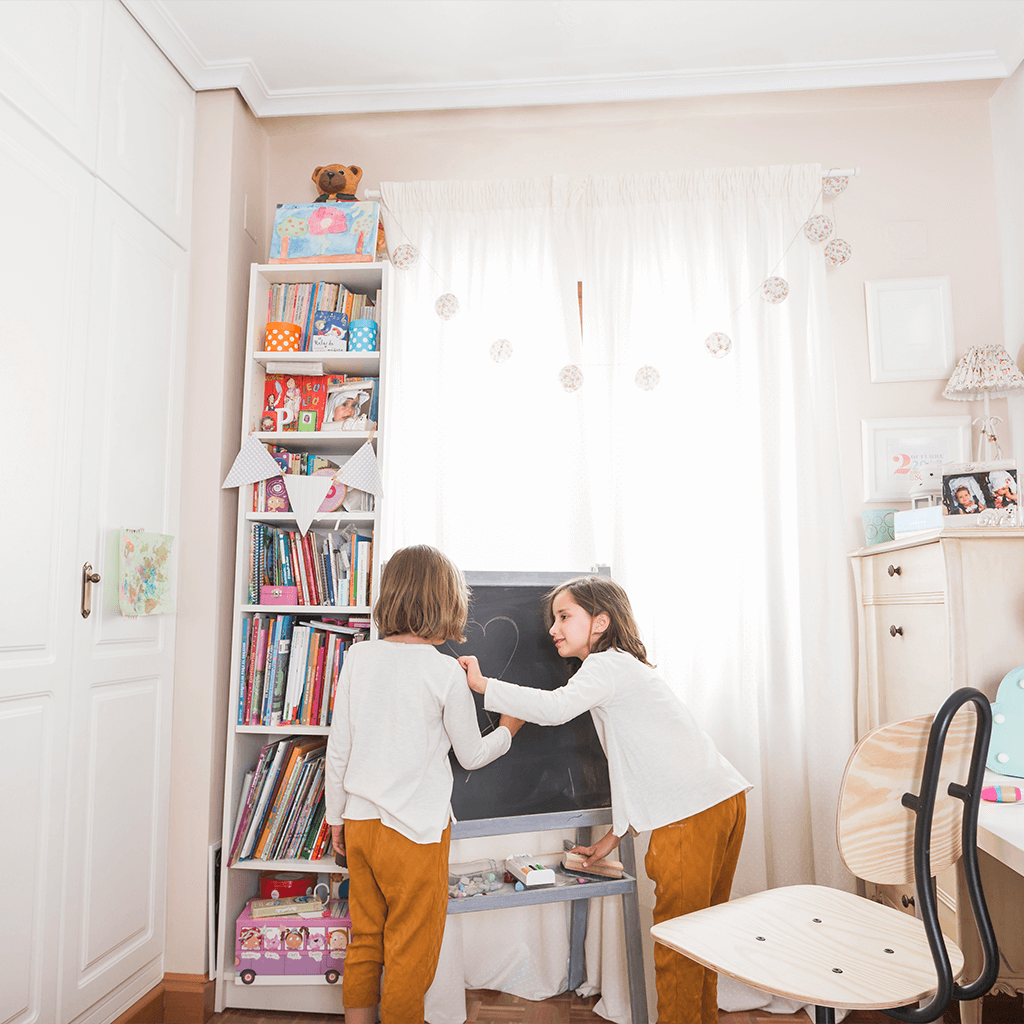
<point x="230" y="165"/>
<point x="925" y="154"/>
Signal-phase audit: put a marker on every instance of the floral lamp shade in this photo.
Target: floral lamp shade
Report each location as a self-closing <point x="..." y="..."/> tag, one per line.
<point x="985" y="372"/>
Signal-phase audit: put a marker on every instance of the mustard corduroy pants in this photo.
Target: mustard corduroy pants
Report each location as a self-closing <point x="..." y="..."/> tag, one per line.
<point x="398" y="902"/>
<point x="692" y="863"/>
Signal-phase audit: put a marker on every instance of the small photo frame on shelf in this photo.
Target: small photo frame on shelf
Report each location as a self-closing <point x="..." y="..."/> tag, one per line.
<point x="981" y="493"/>
<point x="910" y="329"/>
<point x="348" y="405"/>
<point x="894" y="449"/>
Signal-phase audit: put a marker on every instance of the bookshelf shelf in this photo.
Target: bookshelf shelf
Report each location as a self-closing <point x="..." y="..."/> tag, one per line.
<point x="260" y="757"/>
<point x="308" y="609"/>
<point x="357" y="364"/>
<point x="341" y="442"/>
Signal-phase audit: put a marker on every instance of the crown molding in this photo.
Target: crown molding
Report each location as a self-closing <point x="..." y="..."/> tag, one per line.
<point x="244" y="76"/>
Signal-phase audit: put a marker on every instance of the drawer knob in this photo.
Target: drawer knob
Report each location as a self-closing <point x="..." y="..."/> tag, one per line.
<point x="895" y="631"/>
<point x="895" y="570"/>
<point x="907" y="901"/>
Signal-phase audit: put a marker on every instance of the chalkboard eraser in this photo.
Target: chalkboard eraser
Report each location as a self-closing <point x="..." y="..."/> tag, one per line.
<point x="572" y="864"/>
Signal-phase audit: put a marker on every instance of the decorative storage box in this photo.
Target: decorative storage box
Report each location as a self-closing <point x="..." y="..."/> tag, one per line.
<point x="362" y="336"/>
<point x="283" y="336"/>
<point x="279" y="595"/>
<point x="307" y="950"/>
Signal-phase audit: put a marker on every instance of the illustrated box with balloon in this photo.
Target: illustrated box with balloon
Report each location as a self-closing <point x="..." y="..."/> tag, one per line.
<point x="324" y="233"/>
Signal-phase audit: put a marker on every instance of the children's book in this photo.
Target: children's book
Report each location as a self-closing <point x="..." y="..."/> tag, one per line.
<point x="324" y="233"/>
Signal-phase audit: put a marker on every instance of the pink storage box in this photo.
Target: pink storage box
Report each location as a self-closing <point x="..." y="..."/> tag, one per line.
<point x="279" y="595"/>
<point x="308" y="948"/>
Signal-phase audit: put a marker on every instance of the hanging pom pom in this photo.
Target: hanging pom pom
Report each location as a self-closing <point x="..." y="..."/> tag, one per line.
<point x="718" y="344"/>
<point x="501" y="350"/>
<point x="837" y="252"/>
<point x="570" y="378"/>
<point x="775" y="290"/>
<point x="818" y="228"/>
<point x="446" y="306"/>
<point x="647" y="378"/>
<point x="834" y="184"/>
<point x="405" y="257"/>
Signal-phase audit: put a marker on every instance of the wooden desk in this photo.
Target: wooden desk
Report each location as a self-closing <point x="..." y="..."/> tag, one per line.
<point x="1001" y="860"/>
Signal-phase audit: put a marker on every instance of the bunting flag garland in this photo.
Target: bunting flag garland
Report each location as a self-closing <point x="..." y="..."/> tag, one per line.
<point x="362" y="471"/>
<point x="306" y="495"/>
<point x="252" y="464"/>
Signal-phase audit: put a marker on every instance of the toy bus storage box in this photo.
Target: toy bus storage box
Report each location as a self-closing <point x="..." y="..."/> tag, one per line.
<point x="292" y="950"/>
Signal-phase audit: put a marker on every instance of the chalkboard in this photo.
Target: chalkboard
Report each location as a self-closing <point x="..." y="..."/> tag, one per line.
<point x="549" y="768"/>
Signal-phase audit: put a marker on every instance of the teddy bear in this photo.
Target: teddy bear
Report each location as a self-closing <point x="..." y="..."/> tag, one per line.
<point x="337" y="184"/>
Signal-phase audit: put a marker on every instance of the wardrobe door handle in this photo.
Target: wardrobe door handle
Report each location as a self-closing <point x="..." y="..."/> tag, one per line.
<point x="894" y="570"/>
<point x="88" y="579"/>
<point x="895" y="631"/>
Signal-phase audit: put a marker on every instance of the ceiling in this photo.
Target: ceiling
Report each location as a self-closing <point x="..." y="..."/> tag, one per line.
<point x="298" y="57"/>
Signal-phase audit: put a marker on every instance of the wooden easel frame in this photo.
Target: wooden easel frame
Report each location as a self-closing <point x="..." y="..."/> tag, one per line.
<point x="578" y="895"/>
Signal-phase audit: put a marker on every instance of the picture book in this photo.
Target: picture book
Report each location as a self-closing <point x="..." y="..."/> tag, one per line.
<point x="324" y="233"/>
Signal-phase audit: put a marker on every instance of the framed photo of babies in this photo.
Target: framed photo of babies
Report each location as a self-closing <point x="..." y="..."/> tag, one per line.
<point x="984" y="491"/>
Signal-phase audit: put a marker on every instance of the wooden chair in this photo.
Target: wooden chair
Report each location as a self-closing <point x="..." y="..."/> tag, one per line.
<point x="908" y="809"/>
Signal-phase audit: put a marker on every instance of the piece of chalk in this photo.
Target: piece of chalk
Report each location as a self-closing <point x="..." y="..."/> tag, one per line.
<point x="1001" y="794"/>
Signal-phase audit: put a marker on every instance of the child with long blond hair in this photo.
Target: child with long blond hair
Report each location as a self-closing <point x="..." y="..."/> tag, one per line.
<point x="400" y="707"/>
<point x="666" y="774"/>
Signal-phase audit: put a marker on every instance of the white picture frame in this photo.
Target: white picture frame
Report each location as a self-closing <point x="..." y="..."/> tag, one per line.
<point x="894" y="448"/>
<point x="910" y="329"/>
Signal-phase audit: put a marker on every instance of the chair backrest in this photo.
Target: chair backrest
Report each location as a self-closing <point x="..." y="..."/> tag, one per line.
<point x="874" y="831"/>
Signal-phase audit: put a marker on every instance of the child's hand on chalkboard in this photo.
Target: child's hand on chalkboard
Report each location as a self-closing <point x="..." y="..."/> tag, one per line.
<point x="512" y="724"/>
<point x="477" y="682"/>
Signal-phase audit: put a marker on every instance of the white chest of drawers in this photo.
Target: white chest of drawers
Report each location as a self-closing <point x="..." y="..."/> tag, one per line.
<point x="936" y="612"/>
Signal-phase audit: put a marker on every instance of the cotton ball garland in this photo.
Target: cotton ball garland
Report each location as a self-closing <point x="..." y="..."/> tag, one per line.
<point x="818" y="228"/>
<point x="775" y="290"/>
<point x="570" y="377"/>
<point x="718" y="344"/>
<point x="501" y="350"/>
<point x="834" y="184"/>
<point x="446" y="306"/>
<point x="647" y="378"/>
<point x="405" y="257"/>
<point x="837" y="252"/>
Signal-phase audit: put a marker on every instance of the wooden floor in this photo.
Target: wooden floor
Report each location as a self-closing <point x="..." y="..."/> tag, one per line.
<point x="500" y="1008"/>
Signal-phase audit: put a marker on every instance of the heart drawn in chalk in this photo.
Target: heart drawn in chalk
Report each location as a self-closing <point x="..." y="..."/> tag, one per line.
<point x="507" y="641"/>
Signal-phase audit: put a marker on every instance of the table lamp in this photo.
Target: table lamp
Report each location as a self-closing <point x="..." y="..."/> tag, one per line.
<point x="987" y="373"/>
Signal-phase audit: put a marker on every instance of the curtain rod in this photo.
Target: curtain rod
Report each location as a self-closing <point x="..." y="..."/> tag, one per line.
<point x="841" y="172"/>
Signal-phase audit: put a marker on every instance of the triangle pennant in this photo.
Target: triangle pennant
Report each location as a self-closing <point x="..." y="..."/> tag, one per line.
<point x="252" y="464"/>
<point x="305" y="495"/>
<point x="362" y="471"/>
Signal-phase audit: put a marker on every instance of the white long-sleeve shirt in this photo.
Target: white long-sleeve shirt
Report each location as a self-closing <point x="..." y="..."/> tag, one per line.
<point x="662" y="765"/>
<point x="399" y="709"/>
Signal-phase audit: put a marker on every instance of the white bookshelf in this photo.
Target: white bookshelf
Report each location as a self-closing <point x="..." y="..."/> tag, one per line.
<point x="239" y="882"/>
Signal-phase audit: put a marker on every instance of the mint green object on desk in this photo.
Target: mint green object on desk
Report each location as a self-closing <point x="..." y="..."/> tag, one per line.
<point x="1006" y="748"/>
<point x="878" y="525"/>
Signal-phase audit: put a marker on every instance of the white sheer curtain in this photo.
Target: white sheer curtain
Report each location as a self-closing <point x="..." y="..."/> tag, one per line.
<point x="714" y="496"/>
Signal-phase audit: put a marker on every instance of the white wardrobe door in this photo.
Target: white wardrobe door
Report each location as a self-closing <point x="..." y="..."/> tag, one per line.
<point x="44" y="277"/>
<point x="50" y="68"/>
<point x="147" y="126"/>
<point x="115" y="869"/>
